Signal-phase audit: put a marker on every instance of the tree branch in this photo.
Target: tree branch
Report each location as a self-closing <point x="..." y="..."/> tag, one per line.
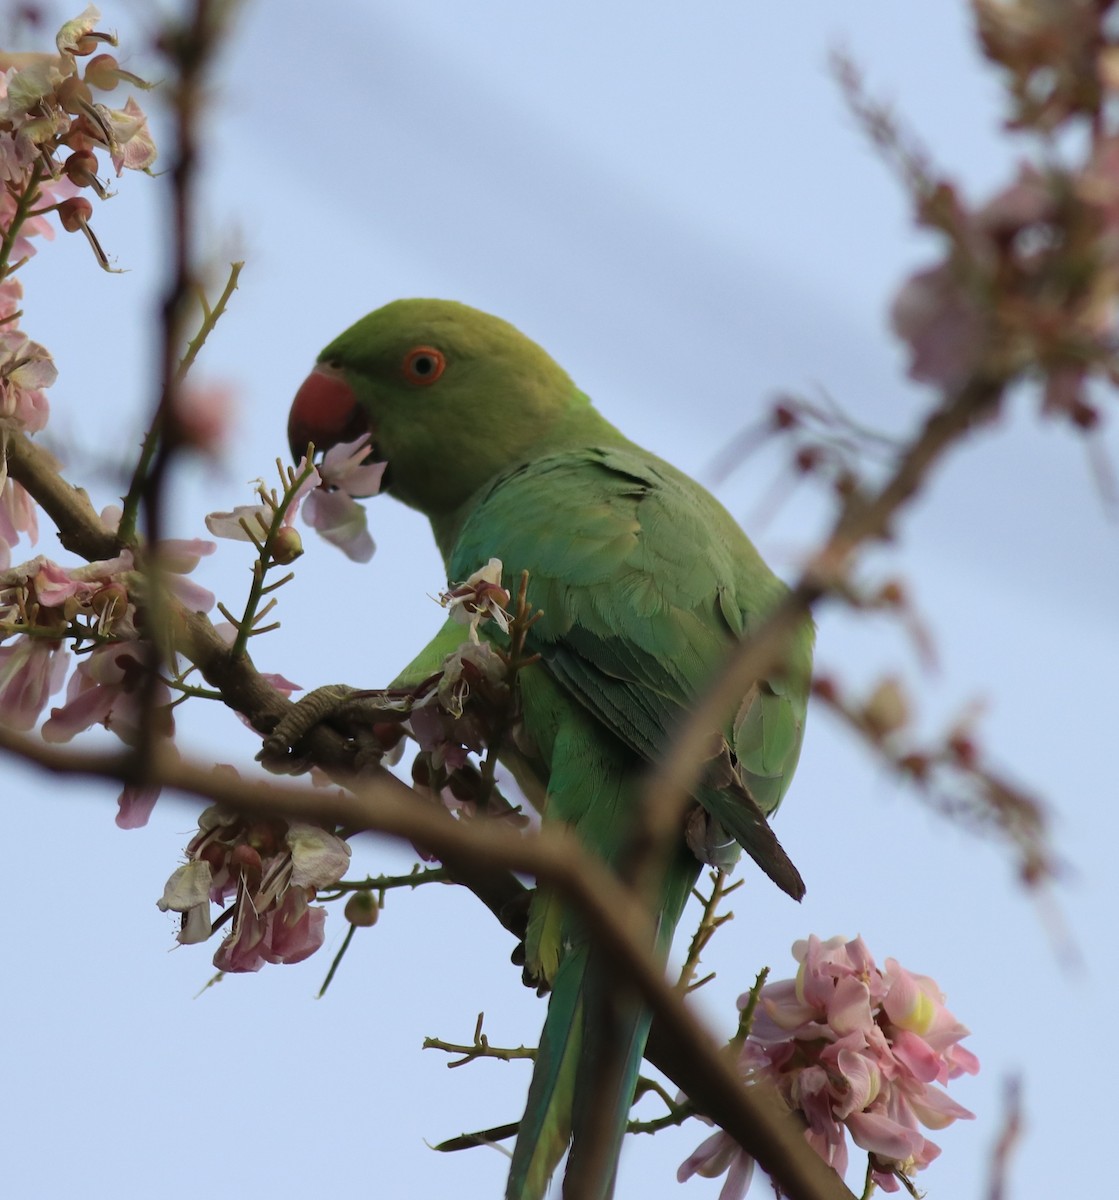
<point x="755" y="1117"/>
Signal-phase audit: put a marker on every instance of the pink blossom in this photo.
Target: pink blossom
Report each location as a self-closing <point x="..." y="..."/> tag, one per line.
<point x="480" y="598"/>
<point x="854" y="1050"/>
<point x="107" y="689"/>
<point x="937" y="315"/>
<point x="11" y="296"/>
<point x="131" y="145"/>
<point x="251" y="522"/>
<point x="442" y="721"/>
<point x="18" y="514"/>
<point x="80" y="35"/>
<point x="26" y="369"/>
<point x="344" y="466"/>
<point x="135" y="806"/>
<point x="331" y="509"/>
<point x="178" y="557"/>
<point x="31" y="671"/>
<point x="340" y="520"/>
<point x="296" y="929"/>
<point x="719" y="1153"/>
<point x="203" y="416"/>
<point x="271" y="869"/>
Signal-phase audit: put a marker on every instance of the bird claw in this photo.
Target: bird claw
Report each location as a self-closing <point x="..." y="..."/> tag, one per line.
<point x="352" y="711"/>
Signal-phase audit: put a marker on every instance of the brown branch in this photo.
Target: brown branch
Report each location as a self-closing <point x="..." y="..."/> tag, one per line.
<point x="80" y="529"/>
<point x="755" y="1117"/>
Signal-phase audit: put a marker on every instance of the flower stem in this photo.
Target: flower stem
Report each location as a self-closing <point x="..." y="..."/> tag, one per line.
<point x="24" y="204"/>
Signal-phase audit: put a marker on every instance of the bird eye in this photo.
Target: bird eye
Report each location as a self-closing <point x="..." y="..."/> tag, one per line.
<point x="423" y="365"/>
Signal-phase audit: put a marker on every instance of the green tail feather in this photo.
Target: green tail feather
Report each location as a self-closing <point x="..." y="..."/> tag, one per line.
<point x="590" y="1022"/>
<point x="546" y="1125"/>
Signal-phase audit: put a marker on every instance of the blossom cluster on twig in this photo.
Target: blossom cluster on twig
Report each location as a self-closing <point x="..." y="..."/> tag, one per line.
<point x="853" y="1049"/>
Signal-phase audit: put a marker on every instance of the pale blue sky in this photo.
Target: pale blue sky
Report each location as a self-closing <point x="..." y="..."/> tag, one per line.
<point x="674" y="201"/>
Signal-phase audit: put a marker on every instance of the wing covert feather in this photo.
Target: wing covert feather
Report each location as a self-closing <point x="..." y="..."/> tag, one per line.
<point x="645" y="583"/>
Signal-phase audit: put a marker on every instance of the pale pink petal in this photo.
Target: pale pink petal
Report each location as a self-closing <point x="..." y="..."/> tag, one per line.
<point x="31" y="671"/>
<point x="296" y="930"/>
<point x="915" y="1054"/>
<point x="880" y="1134"/>
<point x="935" y="1109"/>
<point x="341" y="521"/>
<point x="849" y="1006"/>
<point x="193" y="596"/>
<point x="258" y="517"/>
<point x="135" y="806"/>
<point x="319" y="859"/>
<point x="344" y="467"/>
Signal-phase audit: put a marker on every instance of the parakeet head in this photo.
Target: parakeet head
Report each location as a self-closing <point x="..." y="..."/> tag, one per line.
<point x="450" y="396"/>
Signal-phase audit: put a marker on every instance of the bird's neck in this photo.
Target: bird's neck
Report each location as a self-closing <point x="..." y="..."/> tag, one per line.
<point x="581" y="427"/>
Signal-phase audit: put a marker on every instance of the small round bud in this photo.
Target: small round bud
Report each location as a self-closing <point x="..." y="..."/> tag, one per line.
<point x="81" y="168"/>
<point x="74" y="213"/>
<point x="886" y="709"/>
<point x="846" y="484"/>
<point x="246" y="860"/>
<point x="102" y="72"/>
<point x="288" y="546"/>
<point x="73" y="95"/>
<point x="823" y="687"/>
<point x="1083" y="415"/>
<point x="964" y="750"/>
<point x="783" y="417"/>
<point x="362" y="909"/>
<point x="916" y="765"/>
<point x="214" y="854"/>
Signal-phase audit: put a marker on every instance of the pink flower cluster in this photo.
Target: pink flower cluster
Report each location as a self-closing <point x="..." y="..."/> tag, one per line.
<point x="479" y="599"/>
<point x="51" y="129"/>
<point x="1029" y="281"/>
<point x="44" y="605"/>
<point x="853" y="1049"/>
<point x="443" y="722"/>
<point x="271" y="869"/>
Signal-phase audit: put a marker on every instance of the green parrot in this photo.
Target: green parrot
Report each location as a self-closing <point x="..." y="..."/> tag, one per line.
<point x="645" y="583"/>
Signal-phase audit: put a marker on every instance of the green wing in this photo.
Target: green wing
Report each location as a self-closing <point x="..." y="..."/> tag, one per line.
<point x="646" y="583"/>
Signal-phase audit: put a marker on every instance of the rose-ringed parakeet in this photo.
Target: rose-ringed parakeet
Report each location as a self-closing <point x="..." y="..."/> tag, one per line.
<point x="645" y="583"/>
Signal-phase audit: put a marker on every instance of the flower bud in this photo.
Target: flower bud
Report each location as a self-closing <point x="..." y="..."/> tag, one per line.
<point x="74" y="96"/>
<point x="81" y="168"/>
<point x="74" y="213"/>
<point x="826" y="689"/>
<point x="102" y="72"/>
<point x="246" y="861"/>
<point x="886" y="709"/>
<point x="963" y="749"/>
<point x="287" y="546"/>
<point x="362" y="909"/>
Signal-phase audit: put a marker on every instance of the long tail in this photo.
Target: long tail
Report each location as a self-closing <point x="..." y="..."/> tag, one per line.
<point x="586" y="1069"/>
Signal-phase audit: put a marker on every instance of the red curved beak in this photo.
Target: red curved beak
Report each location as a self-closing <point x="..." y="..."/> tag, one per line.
<point x="325" y="411"/>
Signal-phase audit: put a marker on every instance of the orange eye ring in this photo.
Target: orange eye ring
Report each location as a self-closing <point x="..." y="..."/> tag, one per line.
<point x="423" y="365"/>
